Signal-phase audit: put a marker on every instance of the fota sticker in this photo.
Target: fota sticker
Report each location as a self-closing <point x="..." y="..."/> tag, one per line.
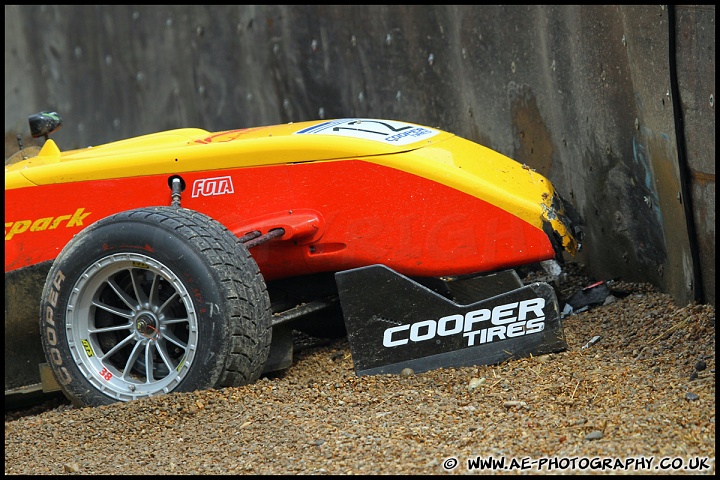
<point x="205" y="187"/>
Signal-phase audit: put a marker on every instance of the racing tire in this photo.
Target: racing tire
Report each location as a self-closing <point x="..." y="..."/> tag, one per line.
<point x="152" y="301"/>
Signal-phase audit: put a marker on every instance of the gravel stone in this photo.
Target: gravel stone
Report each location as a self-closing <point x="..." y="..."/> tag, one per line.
<point x="319" y="417"/>
<point x="594" y="435"/>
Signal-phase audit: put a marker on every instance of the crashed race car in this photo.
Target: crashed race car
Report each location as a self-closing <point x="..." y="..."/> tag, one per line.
<point x="185" y="259"/>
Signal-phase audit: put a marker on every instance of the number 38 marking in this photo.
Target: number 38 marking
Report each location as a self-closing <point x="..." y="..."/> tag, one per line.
<point x="105" y="373"/>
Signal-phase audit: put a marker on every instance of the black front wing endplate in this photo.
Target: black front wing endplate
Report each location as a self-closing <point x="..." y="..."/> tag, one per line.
<point x="394" y="322"/>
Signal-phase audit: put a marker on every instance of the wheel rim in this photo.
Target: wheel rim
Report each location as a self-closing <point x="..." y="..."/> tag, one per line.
<point x="131" y="326"/>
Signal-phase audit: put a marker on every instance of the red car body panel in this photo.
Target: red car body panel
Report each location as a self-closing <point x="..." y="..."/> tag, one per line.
<point x="336" y="215"/>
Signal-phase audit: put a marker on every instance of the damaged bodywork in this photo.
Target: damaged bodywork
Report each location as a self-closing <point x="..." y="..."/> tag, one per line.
<point x="292" y="205"/>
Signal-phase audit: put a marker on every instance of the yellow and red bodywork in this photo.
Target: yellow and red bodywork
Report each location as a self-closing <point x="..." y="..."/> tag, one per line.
<point x="431" y="204"/>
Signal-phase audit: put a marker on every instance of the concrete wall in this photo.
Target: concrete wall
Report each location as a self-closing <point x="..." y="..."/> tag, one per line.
<point x="584" y="94"/>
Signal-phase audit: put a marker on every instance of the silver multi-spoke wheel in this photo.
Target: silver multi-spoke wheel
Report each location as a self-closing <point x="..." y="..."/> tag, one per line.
<point x="132" y="328"/>
<point x="152" y="301"/>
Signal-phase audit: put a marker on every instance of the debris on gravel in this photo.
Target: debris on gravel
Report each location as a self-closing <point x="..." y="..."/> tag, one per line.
<point x="634" y="393"/>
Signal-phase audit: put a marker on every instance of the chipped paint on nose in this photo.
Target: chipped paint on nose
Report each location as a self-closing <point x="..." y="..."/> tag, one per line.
<point x="561" y="224"/>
